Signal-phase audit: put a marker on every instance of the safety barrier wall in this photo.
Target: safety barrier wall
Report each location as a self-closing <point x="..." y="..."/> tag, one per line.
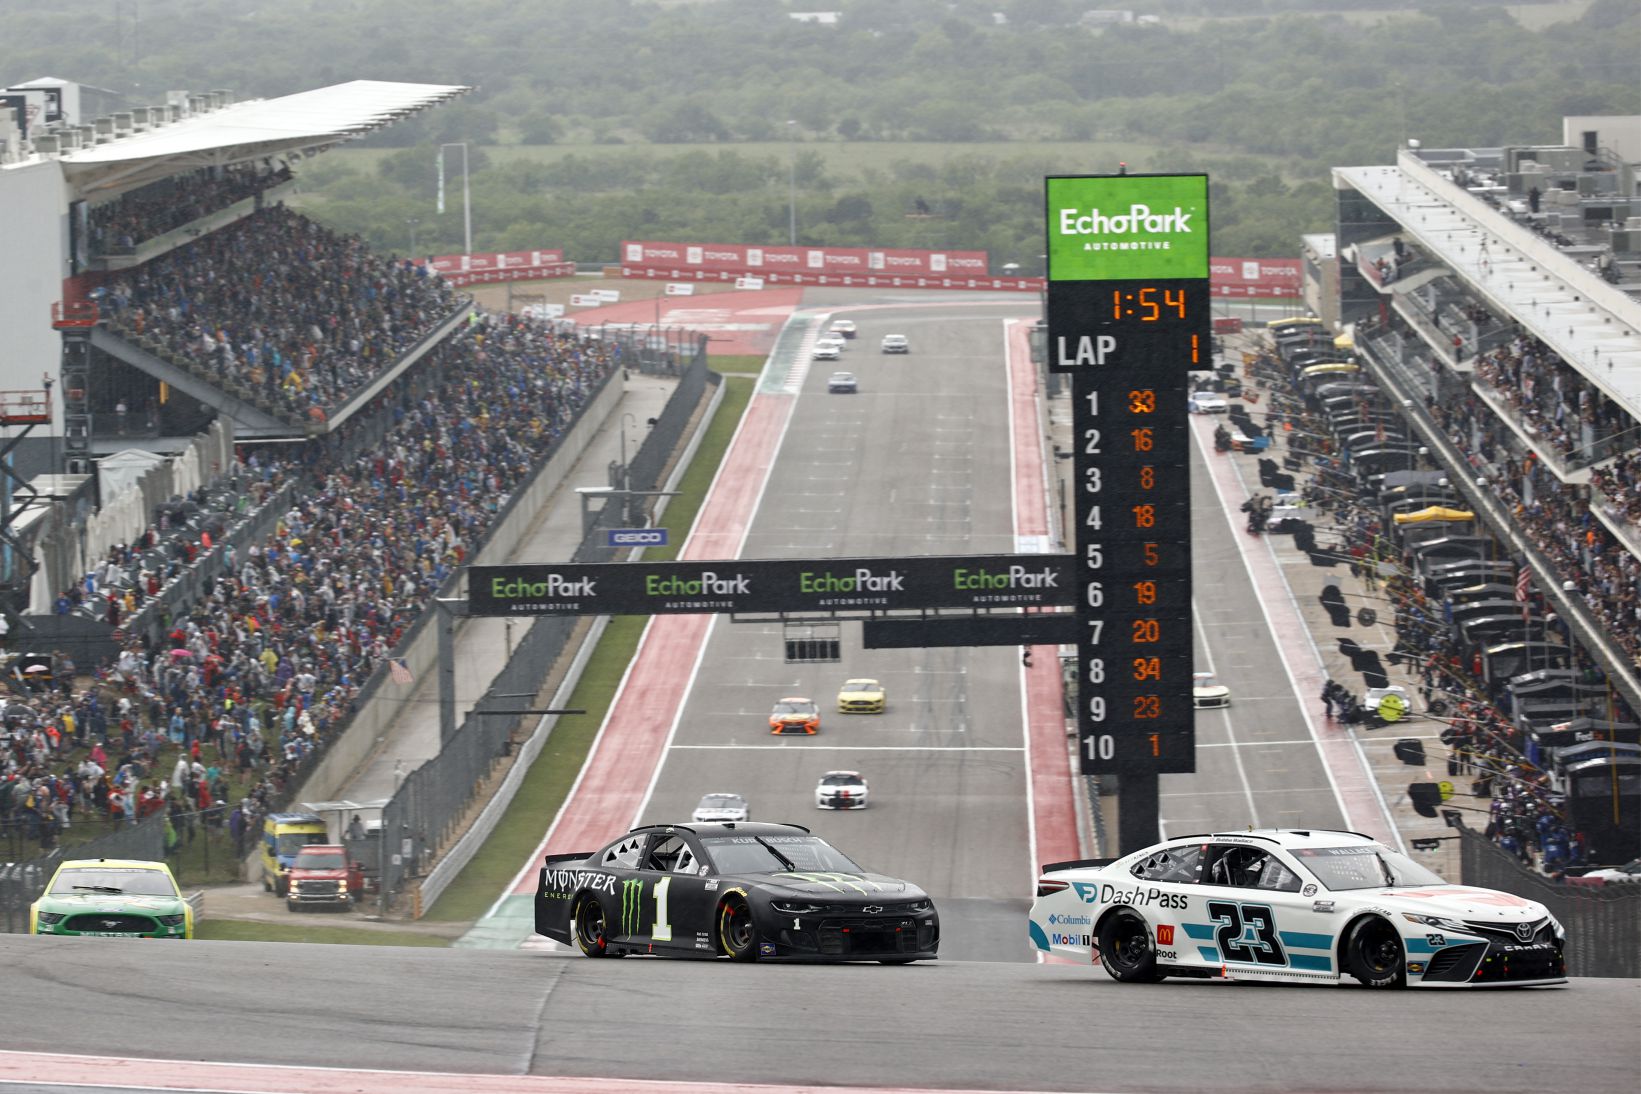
<point x="434" y="800"/>
<point x="1603" y="924"/>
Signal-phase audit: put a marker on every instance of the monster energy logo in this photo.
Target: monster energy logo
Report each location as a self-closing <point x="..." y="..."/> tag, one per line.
<point x="836" y="882"/>
<point x="632" y="896"/>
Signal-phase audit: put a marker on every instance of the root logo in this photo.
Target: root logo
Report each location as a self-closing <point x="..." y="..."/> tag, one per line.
<point x="632" y="904"/>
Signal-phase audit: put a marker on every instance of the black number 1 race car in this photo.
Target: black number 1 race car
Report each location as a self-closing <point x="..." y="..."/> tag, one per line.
<point x="737" y="889"/>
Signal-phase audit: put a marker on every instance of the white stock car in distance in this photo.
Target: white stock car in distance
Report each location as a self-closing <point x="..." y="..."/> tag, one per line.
<point x="1294" y="906"/>
<point x="841" y="790"/>
<point x="721" y="807"/>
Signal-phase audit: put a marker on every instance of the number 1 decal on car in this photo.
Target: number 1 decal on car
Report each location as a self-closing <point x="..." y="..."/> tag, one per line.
<point x="663" y="926"/>
<point x="1235" y="920"/>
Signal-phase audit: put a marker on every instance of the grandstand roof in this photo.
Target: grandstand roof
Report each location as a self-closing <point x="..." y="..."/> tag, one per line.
<point x="1592" y="326"/>
<point x="305" y="122"/>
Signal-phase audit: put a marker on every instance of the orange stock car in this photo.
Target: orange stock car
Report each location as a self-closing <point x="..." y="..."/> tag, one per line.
<point x="795" y="715"/>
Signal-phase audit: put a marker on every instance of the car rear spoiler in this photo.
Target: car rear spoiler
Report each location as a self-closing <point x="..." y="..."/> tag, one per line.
<point x="1075" y="864"/>
<point x="579" y="856"/>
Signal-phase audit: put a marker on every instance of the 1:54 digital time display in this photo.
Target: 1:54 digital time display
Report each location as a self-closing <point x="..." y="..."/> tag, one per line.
<point x="1149" y="304"/>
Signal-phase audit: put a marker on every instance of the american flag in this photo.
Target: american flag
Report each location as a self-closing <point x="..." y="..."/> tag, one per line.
<point x="1524" y="582"/>
<point x="398" y="670"/>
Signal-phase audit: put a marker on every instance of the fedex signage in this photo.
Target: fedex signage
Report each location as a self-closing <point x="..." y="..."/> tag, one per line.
<point x="771" y="585"/>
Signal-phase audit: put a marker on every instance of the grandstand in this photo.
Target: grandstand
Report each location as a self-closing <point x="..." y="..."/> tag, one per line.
<point x="264" y="448"/>
<point x="1494" y="296"/>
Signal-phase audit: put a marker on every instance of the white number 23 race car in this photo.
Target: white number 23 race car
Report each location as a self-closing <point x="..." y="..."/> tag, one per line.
<point x="1302" y="907"/>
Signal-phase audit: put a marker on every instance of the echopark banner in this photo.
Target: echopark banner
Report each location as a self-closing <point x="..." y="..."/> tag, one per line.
<point x="772" y="585"/>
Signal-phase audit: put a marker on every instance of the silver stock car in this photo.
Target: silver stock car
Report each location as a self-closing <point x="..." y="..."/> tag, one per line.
<point x="1295" y="906"/>
<point x="745" y="891"/>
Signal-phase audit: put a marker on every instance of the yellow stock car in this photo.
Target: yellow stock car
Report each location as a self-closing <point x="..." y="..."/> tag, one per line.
<point x="862" y="697"/>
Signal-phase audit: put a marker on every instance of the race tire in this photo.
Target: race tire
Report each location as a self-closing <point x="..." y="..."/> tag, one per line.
<point x="1374" y="955"/>
<point x="1126" y="950"/>
<point x="590" y="928"/>
<point x="736" y="936"/>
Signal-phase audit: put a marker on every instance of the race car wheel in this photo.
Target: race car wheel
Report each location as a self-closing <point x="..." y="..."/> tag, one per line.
<point x="590" y="928"/>
<point x="1373" y="954"/>
<point x="735" y="934"/>
<point x="1125" y="948"/>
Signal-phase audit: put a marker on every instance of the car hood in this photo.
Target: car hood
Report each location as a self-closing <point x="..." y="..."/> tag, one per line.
<point x="860" y="695"/>
<point x="303" y="873"/>
<point x="1463" y="902"/>
<point x="109" y="902"/>
<point x="821" y="883"/>
<point x="793" y="717"/>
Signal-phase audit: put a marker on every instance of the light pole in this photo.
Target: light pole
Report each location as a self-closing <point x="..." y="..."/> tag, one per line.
<point x="791" y="184"/>
<point x="413" y="221"/>
<point x="467" y="194"/>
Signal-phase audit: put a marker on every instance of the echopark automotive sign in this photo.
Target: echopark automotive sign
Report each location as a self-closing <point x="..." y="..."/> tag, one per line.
<point x="772" y="585"/>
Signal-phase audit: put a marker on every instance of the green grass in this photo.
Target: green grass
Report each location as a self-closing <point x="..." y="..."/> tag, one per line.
<point x="549" y="779"/>
<point x="243" y="930"/>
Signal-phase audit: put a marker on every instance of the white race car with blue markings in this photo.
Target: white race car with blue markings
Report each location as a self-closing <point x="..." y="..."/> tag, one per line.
<point x="1297" y="906"/>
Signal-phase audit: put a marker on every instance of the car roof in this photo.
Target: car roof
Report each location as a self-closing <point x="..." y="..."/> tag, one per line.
<point x="117" y="863"/>
<point x="1283" y="837"/>
<point x="859" y="680"/>
<point x="724" y="828"/>
<point x="795" y="699"/>
<point x="722" y="794"/>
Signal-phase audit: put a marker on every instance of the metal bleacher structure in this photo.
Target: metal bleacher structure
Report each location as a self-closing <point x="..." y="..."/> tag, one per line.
<point x="1448" y="254"/>
<point x="54" y="175"/>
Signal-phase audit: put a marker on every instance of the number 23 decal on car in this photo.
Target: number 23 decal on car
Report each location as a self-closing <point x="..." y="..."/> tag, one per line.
<point x="1235" y="921"/>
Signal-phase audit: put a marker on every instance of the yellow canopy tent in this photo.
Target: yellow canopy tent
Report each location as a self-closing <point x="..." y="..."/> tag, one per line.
<point x="1435" y="512"/>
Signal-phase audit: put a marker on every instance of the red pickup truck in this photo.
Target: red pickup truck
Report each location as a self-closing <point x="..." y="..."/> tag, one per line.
<point x="322" y="873"/>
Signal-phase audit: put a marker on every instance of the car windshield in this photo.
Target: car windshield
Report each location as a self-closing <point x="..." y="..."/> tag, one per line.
<point x="128" y="881"/>
<point x="721" y="801"/>
<point x="291" y="842"/>
<point x="776" y="854"/>
<point x="840" y="780"/>
<point x="1341" y="868"/>
<point x="795" y="707"/>
<point x="861" y="685"/>
<point x="321" y="860"/>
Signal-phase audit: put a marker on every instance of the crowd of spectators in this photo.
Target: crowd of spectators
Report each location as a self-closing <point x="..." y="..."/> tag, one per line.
<point x="256" y="677"/>
<point x="121" y="226"/>
<point x="1559" y="407"/>
<point x="1526" y="815"/>
<point x="295" y="315"/>
<point x="1620" y="482"/>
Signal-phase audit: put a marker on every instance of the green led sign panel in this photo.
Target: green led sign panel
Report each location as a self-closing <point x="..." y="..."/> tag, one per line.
<point x="1127" y="227"/>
